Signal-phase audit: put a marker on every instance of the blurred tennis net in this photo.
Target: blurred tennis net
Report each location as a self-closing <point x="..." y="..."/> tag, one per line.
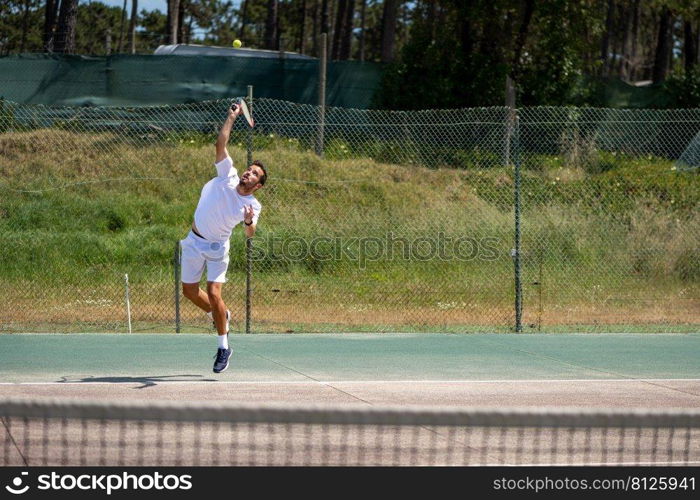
<point x="70" y="432"/>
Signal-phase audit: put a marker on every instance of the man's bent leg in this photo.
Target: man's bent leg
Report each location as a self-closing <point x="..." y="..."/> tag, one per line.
<point x="216" y="276"/>
<point x="218" y="307"/>
<point x="197" y="296"/>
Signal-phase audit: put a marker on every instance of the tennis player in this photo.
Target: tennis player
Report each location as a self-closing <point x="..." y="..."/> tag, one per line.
<point x="225" y="202"/>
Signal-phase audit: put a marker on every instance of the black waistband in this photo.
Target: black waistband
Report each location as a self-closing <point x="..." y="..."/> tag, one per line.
<point x="197" y="234"/>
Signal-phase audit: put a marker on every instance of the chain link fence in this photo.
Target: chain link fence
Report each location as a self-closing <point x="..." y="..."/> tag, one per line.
<point x="468" y="220"/>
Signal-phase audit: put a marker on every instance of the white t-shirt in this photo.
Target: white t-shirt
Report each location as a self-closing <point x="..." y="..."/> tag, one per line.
<point x="220" y="207"/>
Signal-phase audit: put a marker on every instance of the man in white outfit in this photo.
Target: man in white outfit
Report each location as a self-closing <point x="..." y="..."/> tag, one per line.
<point x="226" y="201"/>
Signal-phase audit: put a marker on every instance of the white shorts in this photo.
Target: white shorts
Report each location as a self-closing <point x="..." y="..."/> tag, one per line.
<point x="196" y="252"/>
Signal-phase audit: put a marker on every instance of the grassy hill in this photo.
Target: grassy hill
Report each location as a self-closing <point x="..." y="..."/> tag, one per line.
<point x="607" y="241"/>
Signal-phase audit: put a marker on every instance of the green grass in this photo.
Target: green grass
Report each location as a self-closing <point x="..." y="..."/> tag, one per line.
<point x="78" y="211"/>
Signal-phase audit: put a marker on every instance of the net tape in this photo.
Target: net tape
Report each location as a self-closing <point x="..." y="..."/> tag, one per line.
<point x="376" y="415"/>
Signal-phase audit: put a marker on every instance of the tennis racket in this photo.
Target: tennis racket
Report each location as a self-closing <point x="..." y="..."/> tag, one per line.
<point x="246" y="112"/>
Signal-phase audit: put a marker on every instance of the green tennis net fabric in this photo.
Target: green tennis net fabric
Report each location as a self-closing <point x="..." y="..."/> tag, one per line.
<point x="66" y="432"/>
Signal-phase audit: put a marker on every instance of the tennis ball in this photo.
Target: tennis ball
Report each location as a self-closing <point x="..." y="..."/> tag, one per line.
<point x="237" y="44"/>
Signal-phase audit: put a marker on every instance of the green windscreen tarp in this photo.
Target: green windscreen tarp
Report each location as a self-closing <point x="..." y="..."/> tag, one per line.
<point x="619" y="94"/>
<point x="150" y="79"/>
<point x="133" y="80"/>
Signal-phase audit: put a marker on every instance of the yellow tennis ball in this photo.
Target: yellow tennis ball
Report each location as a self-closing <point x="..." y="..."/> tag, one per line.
<point x="237" y="44"/>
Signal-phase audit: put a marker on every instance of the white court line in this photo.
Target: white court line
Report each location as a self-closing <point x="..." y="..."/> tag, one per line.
<point x="143" y="380"/>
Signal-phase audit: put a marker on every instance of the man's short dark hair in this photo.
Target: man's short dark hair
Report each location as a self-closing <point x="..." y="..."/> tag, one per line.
<point x="263" y="177"/>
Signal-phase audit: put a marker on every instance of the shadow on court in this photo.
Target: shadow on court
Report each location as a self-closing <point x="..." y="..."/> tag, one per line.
<point x="141" y="382"/>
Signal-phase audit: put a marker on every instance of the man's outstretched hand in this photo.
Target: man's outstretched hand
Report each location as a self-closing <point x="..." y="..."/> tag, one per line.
<point x="234" y="110"/>
<point x="248" y="214"/>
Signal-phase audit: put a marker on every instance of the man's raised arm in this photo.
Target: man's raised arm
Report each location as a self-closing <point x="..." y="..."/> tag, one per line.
<point x="225" y="132"/>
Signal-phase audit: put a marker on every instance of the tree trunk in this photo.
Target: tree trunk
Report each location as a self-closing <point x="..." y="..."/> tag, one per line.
<point x="316" y="26"/>
<point x="628" y="18"/>
<point x="49" y="23"/>
<point x="108" y="41"/>
<point x="302" y="28"/>
<point x="431" y="15"/>
<point x="25" y="26"/>
<point x="173" y="22"/>
<point x="325" y="22"/>
<point x="346" y="41"/>
<point x="244" y="18"/>
<point x="271" y="25"/>
<point x="389" y="29"/>
<point x="279" y="43"/>
<point x="690" y="48"/>
<point x="121" y="29"/>
<point x="132" y="25"/>
<point x="332" y="8"/>
<point x="619" y="49"/>
<point x="661" y="58"/>
<point x="634" y="63"/>
<point x="181" y="21"/>
<point x="490" y="46"/>
<point x="403" y="34"/>
<point x="325" y="17"/>
<point x="466" y="36"/>
<point x="339" y="30"/>
<point x="528" y="8"/>
<point x="363" y="25"/>
<point x="605" y="42"/>
<point x="65" y="31"/>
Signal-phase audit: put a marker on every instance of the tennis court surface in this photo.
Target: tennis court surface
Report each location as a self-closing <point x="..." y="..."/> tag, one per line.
<point x="352" y="399"/>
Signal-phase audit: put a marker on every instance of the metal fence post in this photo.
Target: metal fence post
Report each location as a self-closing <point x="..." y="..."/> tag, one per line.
<point x="322" y="66"/>
<point x="249" y="137"/>
<point x="128" y="301"/>
<point x="249" y="241"/>
<point x="248" y="280"/>
<point x="516" y="250"/>
<point x="176" y="270"/>
<point x="510" y="104"/>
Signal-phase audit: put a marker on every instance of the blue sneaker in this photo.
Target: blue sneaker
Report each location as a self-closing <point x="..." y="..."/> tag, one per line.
<point x="222" y="359"/>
